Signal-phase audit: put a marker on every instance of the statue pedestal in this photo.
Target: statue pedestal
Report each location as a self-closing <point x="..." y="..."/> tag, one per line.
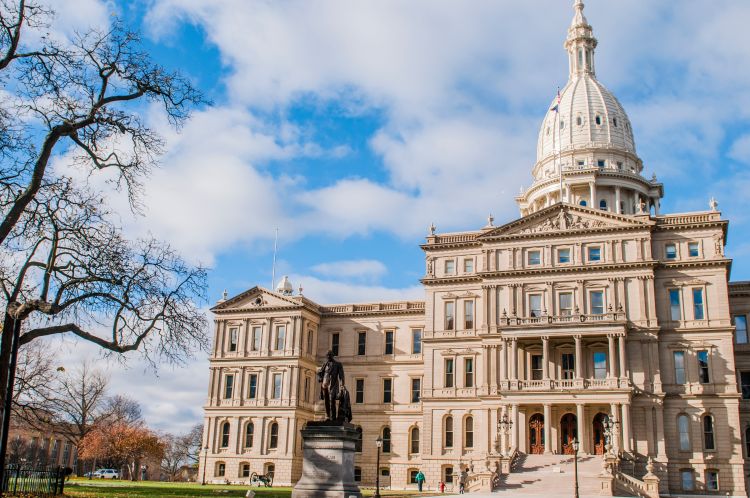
<point x="327" y="462"/>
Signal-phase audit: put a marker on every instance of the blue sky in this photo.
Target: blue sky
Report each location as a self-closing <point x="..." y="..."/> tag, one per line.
<point x="352" y="125"/>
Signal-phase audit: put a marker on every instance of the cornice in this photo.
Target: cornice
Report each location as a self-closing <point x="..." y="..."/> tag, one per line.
<point x="705" y="263"/>
<point x="650" y="264"/>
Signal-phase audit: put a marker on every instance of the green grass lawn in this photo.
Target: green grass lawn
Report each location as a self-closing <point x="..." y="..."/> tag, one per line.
<point x="84" y="488"/>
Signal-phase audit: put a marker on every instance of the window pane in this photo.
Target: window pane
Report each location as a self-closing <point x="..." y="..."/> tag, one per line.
<point x="683" y="426"/>
<point x="335" y="344"/>
<point x="360" y="391"/>
<point x="595" y="254"/>
<point x="280" y="336"/>
<point x="674" y="304"/>
<point x="469" y="314"/>
<point x="228" y="387"/>
<point x="600" y="365"/>
<point x="679" y="367"/>
<point x="468" y="372"/>
<point x="597" y="302"/>
<point x="693" y="249"/>
<point x="536" y="367"/>
<point x="563" y="255"/>
<point x="712" y="480"/>
<point x="534" y="257"/>
<point x="468" y="265"/>
<point x="698" y="304"/>
<point x="277" y="386"/>
<point x="416" y="388"/>
<point x="389" y="342"/>
<point x="708" y="433"/>
<point x="670" y="251"/>
<point x="566" y="303"/>
<point x="387" y="390"/>
<point x="449" y="432"/>
<point x="450" y="266"/>
<point x="469" y="433"/>
<point x="448" y="373"/>
<point x="745" y="384"/>
<point x="361" y="343"/>
<point x="703" y="367"/>
<point x="416" y="341"/>
<point x="687" y="480"/>
<point x="535" y="305"/>
<point x="568" y="366"/>
<point x="740" y="323"/>
<point x="253" y="388"/>
<point x="256" y="338"/>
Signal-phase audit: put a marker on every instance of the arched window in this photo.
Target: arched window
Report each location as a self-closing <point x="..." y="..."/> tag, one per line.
<point x="414" y="440"/>
<point x="708" y="433"/>
<point x="249" y="433"/>
<point x="469" y="432"/>
<point x="386" y="439"/>
<point x="358" y="442"/>
<point x="273" y="440"/>
<point x="448" y="432"/>
<point x="562" y="124"/>
<point x="683" y="427"/>
<point x="579" y="121"/>
<point x="583" y="202"/>
<point x="225" y="434"/>
<point x="598" y="120"/>
<point x="614" y="122"/>
<point x="603" y="204"/>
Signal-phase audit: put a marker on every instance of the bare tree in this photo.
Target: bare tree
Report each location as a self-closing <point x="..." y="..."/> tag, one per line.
<point x="181" y="450"/>
<point x="36" y="372"/>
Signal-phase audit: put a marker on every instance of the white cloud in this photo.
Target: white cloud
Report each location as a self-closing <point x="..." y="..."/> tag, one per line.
<point x="335" y="292"/>
<point x="740" y="150"/>
<point x="366" y="269"/>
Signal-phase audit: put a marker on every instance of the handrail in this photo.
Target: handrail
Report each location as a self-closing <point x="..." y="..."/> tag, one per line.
<point x="523" y="321"/>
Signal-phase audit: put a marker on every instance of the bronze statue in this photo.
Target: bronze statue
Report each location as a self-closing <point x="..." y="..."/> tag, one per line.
<point x="333" y="391"/>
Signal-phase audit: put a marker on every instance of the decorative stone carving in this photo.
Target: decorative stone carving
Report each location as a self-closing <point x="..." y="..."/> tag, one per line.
<point x="564" y="221"/>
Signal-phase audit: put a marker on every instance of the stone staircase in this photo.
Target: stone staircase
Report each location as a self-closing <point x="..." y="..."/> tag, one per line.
<point x="551" y="475"/>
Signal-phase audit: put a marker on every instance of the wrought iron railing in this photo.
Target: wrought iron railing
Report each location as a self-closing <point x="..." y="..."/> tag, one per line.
<point x="19" y="480"/>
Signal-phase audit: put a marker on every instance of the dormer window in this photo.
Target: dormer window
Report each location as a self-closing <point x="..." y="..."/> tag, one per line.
<point x="601" y="163"/>
<point x="598" y="120"/>
<point x="603" y="205"/>
<point x="579" y="121"/>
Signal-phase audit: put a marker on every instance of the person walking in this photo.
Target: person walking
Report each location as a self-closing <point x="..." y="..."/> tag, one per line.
<point x="462" y="481"/>
<point x="442" y="487"/>
<point x="420" y="480"/>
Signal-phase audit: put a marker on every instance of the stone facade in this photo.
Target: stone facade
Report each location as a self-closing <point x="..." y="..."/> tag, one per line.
<point x="592" y="305"/>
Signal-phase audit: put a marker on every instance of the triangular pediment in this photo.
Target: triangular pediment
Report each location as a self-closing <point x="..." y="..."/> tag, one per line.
<point x="257" y="297"/>
<point x="563" y="218"/>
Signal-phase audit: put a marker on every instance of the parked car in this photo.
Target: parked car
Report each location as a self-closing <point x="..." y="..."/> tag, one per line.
<point x="106" y="474"/>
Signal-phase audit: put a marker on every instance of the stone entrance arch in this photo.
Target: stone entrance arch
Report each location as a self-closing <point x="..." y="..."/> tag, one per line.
<point x="568" y="432"/>
<point x="598" y="432"/>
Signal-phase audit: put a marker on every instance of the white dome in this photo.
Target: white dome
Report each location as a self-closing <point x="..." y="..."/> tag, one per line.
<point x="589" y="116"/>
<point x="285" y="286"/>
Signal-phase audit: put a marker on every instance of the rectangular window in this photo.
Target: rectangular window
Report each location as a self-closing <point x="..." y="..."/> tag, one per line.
<point x="600" y="163"/>
<point x="309" y="341"/>
<point x="449" y="315"/>
<point x="233" y="338"/>
<point x="536" y="367"/>
<point x="335" y="343"/>
<point x="568" y="366"/>
<point x="387" y="390"/>
<point x="712" y="480"/>
<point x="688" y="482"/>
<point x="745" y="384"/>
<point x="535" y="305"/>
<point x="228" y="386"/>
<point x="245" y="470"/>
<point x="679" y="367"/>
<point x="597" y="302"/>
<point x="280" y="337"/>
<point x="359" y="391"/>
<point x="675" y="309"/>
<point x="709" y="442"/>
<point x="703" y="376"/>
<point x="276" y="386"/>
<point x="388" y="342"/>
<point x="416" y="389"/>
<point x="698" y="304"/>
<point x="693" y="250"/>
<point x="740" y="324"/>
<point x="468" y="265"/>
<point x="600" y="365"/>
<point x="357" y="474"/>
<point x="534" y="257"/>
<point x="563" y="255"/>
<point x="449" y="373"/>
<point x="670" y="251"/>
<point x="252" y="389"/>
<point x="361" y="343"/>
<point x="468" y="315"/>
<point x="450" y="266"/>
<point x="416" y="341"/>
<point x="565" y="303"/>
<point x="256" y="338"/>
<point x="595" y="253"/>
<point x="468" y="372"/>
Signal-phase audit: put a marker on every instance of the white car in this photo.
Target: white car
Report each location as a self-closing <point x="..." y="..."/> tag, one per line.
<point x="107" y="474"/>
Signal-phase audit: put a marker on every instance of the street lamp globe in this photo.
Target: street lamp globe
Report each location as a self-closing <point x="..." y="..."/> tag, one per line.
<point x="575" y="445"/>
<point x="379" y="442"/>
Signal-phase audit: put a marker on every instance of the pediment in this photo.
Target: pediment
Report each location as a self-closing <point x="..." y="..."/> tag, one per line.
<point x="257" y="297"/>
<point x="565" y="218"/>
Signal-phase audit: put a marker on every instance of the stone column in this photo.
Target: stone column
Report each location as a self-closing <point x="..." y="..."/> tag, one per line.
<point x="545" y="358"/>
<point x="514" y="429"/>
<point x="579" y="357"/>
<point x="614" y="411"/>
<point x="617" y="200"/>
<point x="514" y="359"/>
<point x="626" y="446"/>
<point x="611" y="372"/>
<point x="592" y="194"/>
<point x="547" y="428"/>
<point x="621" y="346"/>
<point x="581" y="425"/>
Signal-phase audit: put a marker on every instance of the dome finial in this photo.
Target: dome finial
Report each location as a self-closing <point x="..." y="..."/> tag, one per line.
<point x="579" y="18"/>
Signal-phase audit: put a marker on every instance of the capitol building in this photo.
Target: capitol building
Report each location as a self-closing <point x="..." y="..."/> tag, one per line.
<point x="593" y="317"/>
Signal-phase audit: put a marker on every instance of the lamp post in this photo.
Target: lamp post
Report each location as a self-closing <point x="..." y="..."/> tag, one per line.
<point x="575" y="466"/>
<point x="205" y="457"/>
<point x="379" y="444"/>
<point x="503" y="427"/>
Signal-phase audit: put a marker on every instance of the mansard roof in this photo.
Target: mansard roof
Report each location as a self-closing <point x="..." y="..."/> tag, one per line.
<point x="566" y="219"/>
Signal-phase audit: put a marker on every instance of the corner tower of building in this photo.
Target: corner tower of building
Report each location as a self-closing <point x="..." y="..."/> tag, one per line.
<point x="587" y="138"/>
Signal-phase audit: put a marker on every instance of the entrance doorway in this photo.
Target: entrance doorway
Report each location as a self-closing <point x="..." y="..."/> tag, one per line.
<point x="599" y="438"/>
<point x="568" y="432"/>
<point x="536" y="434"/>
